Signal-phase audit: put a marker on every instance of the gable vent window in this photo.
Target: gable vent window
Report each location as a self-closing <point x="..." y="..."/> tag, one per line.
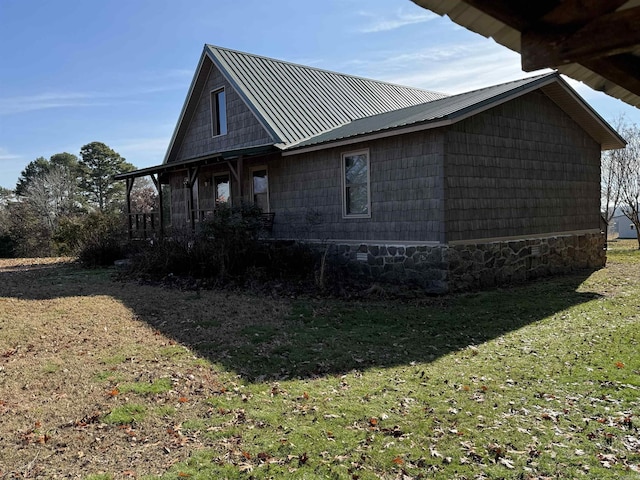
<point x="355" y="183"/>
<point x="218" y="112"/>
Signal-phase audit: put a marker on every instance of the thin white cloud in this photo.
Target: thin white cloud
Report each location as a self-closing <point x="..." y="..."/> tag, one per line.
<point x="44" y="101"/>
<point x="6" y="156"/>
<point x="146" y="145"/>
<point x="400" y="19"/>
<point x="449" y="69"/>
<point x="173" y="79"/>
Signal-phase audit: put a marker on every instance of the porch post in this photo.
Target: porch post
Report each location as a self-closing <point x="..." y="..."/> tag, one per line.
<point x="156" y="182"/>
<point x="193" y="177"/>
<point x="237" y="174"/>
<point x="129" y="182"/>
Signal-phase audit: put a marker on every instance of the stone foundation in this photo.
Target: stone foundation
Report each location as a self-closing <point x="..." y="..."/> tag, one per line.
<point x="448" y="268"/>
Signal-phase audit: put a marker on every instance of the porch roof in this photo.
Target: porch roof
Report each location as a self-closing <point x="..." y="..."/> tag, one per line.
<point x="199" y="161"/>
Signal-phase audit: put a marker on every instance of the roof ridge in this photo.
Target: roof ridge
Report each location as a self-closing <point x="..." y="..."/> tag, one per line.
<point x="294" y="101"/>
<point x="323" y="70"/>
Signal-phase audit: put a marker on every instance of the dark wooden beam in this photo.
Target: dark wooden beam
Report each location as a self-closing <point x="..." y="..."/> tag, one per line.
<point x="611" y="34"/>
<point x="623" y="70"/>
<point x="579" y="12"/>
<point x="518" y="15"/>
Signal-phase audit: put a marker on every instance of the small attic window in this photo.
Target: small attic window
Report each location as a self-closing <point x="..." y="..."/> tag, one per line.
<point x="218" y="112"/>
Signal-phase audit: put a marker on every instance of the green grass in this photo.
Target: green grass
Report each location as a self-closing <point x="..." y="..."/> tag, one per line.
<point x="538" y="381"/>
<point x="125" y="414"/>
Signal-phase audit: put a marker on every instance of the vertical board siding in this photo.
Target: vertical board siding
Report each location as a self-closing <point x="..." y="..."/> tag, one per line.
<point x="406" y="192"/>
<point x="243" y="128"/>
<point x="522" y="168"/>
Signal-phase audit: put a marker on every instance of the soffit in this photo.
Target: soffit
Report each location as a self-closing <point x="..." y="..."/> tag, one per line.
<point x="594" y="41"/>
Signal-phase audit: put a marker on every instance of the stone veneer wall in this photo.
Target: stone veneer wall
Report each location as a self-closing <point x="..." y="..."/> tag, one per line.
<point x="448" y="268"/>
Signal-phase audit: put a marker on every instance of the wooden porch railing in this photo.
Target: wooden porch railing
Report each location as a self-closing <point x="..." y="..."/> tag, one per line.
<point x="144" y="225"/>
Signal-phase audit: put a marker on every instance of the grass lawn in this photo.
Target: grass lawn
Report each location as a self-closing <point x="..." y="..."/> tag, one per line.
<point x="107" y="380"/>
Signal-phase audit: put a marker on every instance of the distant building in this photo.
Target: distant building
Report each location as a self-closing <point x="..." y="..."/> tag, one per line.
<point x="623" y="228"/>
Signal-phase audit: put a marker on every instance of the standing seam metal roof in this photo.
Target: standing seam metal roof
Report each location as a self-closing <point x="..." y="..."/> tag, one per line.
<point x="299" y="102"/>
<point x="446" y="107"/>
<point x="459" y="106"/>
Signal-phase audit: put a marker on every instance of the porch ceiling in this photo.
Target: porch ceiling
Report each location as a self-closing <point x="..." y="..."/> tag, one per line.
<point x="594" y="41"/>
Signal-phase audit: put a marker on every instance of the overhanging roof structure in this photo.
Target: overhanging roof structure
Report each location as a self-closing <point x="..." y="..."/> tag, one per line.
<point x="593" y="41"/>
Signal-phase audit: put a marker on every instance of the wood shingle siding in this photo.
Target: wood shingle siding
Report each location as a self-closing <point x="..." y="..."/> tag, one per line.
<point x="406" y="192"/>
<point x="521" y="168"/>
<point x="244" y="129"/>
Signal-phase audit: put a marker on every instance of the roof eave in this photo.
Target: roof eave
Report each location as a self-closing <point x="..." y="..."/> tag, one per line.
<point x="593" y="123"/>
<point x="200" y="160"/>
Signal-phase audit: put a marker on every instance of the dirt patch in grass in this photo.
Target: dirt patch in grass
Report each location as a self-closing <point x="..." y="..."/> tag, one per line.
<point x="86" y="384"/>
<point x="118" y="380"/>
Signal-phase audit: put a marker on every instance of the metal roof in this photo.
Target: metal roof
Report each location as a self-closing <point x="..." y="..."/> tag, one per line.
<point x="298" y="102"/>
<point x="454" y="108"/>
<point x="304" y="107"/>
<point x="475" y="19"/>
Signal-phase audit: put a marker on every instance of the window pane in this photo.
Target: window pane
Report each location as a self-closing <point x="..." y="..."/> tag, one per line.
<point x="260" y="181"/>
<point x="261" y="189"/>
<point x="222" y="112"/>
<point x="218" y="113"/>
<point x="223" y="192"/>
<point x="355" y="169"/>
<point x="356" y="184"/>
<point x="357" y="201"/>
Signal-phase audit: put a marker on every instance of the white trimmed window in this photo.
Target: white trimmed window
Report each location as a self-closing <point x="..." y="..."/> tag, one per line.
<point x="356" y="199"/>
<point x="218" y="112"/>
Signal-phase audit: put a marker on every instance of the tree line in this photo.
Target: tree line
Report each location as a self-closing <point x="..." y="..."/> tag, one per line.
<point x="60" y="202"/>
<point x="620" y="177"/>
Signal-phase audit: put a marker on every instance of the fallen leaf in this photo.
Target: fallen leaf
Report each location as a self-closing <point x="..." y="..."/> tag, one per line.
<point x="506" y="462"/>
<point x="434" y="453"/>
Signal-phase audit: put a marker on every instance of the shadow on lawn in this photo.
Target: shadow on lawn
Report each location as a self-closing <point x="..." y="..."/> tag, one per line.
<point x="266" y="339"/>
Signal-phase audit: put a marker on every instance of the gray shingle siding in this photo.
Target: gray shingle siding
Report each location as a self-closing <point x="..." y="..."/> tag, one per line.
<point x="521" y="168"/>
<point x="244" y="129"/>
<point x="406" y="192"/>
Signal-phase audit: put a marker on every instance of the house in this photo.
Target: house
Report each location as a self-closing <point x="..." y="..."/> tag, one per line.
<point x="450" y="192"/>
<point x="623" y="227"/>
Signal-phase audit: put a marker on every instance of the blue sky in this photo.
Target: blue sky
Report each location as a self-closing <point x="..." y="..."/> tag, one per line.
<point x="117" y="71"/>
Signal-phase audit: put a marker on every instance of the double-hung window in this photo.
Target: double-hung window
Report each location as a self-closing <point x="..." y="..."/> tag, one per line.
<point x="218" y="112"/>
<point x="356" y="199"/>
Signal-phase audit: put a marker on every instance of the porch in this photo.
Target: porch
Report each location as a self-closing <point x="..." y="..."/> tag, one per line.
<point x="189" y="192"/>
